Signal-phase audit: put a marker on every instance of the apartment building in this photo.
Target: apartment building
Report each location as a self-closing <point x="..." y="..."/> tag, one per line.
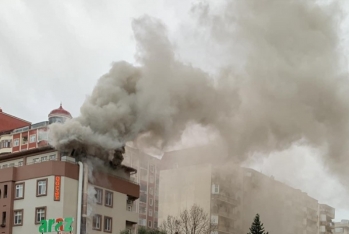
<point x="341" y="227"/>
<point x="216" y="189"/>
<point x="281" y="207"/>
<point x="42" y="186"/>
<point x="148" y="178"/>
<point x="18" y="135"/>
<point x="232" y="195"/>
<point x="326" y="216"/>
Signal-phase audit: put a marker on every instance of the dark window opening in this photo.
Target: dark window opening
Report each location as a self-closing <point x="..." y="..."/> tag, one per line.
<point x="5" y="191"/>
<point x="3" y="219"/>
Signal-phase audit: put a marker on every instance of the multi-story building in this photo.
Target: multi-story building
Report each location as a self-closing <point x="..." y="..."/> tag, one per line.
<point x="215" y="189"/>
<point x="341" y="227"/>
<point x="18" y="135"/>
<point x="7" y="124"/>
<point x="40" y="185"/>
<point x="148" y="179"/>
<point x="33" y="190"/>
<point x="280" y="206"/>
<point x="232" y="195"/>
<point x="326" y="214"/>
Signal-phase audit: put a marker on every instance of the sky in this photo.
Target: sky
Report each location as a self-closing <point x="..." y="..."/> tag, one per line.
<point x="55" y="51"/>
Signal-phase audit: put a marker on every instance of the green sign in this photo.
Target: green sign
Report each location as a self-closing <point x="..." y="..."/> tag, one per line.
<point x="56" y="225"/>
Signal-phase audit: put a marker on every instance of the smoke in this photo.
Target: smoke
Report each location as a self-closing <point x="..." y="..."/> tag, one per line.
<point x="282" y="81"/>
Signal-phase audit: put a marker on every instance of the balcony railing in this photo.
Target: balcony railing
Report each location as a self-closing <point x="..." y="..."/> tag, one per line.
<point x="226" y="199"/>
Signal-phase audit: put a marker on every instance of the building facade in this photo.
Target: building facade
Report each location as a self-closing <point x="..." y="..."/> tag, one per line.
<point x="326" y="216"/>
<point x="147" y="176"/>
<point x="341" y="227"/>
<point x="34" y="190"/>
<point x="233" y="195"/>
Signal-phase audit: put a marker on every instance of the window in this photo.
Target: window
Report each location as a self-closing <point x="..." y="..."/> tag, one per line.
<point x="99" y="196"/>
<point x="155" y="224"/>
<point x="151" y="178"/>
<point x="11" y="165"/>
<point x="41" y="187"/>
<point x="32" y="138"/>
<point x="108" y="198"/>
<point x="16" y="142"/>
<point x="40" y="214"/>
<point x="151" y="213"/>
<point x="150" y="201"/>
<point x="3" y="218"/>
<point x="143" y="197"/>
<point x="142" y="222"/>
<point x="142" y="210"/>
<point x="149" y="224"/>
<point x="24" y="140"/>
<point x="214" y="219"/>
<point x="36" y="160"/>
<point x="20" y="163"/>
<point x="19" y="191"/>
<point x="52" y="157"/>
<point x="108" y="224"/>
<point x="215" y="189"/>
<point x="44" y="158"/>
<point x="151" y="191"/>
<point x="18" y="217"/>
<point x="5" y="191"/>
<point x="4" y="166"/>
<point x="96" y="225"/>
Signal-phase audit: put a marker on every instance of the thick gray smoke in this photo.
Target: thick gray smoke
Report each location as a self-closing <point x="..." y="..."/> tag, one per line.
<point x="290" y="85"/>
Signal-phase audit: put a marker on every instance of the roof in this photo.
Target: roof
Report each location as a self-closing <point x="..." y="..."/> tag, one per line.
<point x="60" y="111"/>
<point x="10" y="122"/>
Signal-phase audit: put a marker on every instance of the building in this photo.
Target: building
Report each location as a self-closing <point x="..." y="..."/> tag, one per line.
<point x="232" y="195"/>
<point x="326" y="214"/>
<point x="342" y="227"/>
<point x="7" y="124"/>
<point x="40" y="186"/>
<point x="18" y="135"/>
<point x="213" y="188"/>
<point x="148" y="178"/>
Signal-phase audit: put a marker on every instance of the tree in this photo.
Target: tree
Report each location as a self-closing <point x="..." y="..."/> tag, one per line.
<point x="193" y="221"/>
<point x="257" y="227"/>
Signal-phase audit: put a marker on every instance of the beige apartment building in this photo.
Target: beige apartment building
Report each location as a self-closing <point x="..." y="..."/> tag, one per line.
<point x="341" y="227"/>
<point x="232" y="196"/>
<point x="326" y="216"/>
<point x="44" y="184"/>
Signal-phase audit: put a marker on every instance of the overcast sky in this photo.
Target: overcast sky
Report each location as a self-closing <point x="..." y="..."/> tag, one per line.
<point x="54" y="51"/>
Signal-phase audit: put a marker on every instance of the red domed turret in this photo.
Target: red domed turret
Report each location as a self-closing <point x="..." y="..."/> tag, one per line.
<point x="59" y="115"/>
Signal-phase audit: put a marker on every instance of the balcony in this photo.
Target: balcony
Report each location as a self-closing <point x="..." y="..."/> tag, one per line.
<point x="227" y="199"/>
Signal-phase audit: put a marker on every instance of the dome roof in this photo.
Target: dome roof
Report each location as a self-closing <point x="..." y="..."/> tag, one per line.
<point x="60" y="112"/>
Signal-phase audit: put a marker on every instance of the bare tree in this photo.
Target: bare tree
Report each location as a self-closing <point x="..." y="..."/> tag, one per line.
<point x="193" y="221"/>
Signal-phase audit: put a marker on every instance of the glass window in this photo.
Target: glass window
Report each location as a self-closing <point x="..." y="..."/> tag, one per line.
<point x="108" y="198"/>
<point x="32" y="138"/>
<point x="40" y="214"/>
<point x="19" y="190"/>
<point x="107" y="224"/>
<point x="18" y="217"/>
<point x="97" y="222"/>
<point x="41" y="187"/>
<point x="99" y="195"/>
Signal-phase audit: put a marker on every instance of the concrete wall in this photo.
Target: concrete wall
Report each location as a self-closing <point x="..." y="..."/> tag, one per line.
<point x="181" y="188"/>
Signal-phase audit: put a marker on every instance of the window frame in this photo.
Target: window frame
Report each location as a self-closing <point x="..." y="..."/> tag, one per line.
<point x="101" y="201"/>
<point x="30" y="138"/>
<point x="105" y="224"/>
<point x="37" y="187"/>
<point x="36" y="212"/>
<point x="152" y="201"/>
<point x="16" y="142"/>
<point x="23" y="189"/>
<point x="151" y="224"/>
<point x="14" y="219"/>
<point x="106" y="196"/>
<point x="100" y="222"/>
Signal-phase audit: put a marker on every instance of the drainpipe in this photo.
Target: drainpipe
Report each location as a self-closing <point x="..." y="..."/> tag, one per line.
<point x="84" y="199"/>
<point x="81" y="170"/>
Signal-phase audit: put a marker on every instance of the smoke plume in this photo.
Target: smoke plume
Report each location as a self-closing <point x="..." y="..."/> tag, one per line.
<point x="288" y="86"/>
